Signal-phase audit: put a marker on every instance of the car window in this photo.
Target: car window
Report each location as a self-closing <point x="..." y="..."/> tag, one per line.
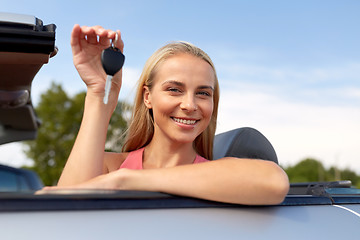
<point x="13" y="182"/>
<point x="8" y="181"/>
<point x="22" y="183"/>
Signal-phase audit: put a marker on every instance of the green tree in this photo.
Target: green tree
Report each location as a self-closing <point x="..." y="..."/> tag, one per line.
<point x="60" y="117"/>
<point x="347" y="174"/>
<point x="308" y="170"/>
<point x="311" y="170"/>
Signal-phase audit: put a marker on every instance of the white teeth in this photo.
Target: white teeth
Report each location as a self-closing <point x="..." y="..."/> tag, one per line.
<point x="188" y="122"/>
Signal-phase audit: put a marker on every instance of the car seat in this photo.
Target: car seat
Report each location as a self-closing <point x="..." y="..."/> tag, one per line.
<point x="243" y="142"/>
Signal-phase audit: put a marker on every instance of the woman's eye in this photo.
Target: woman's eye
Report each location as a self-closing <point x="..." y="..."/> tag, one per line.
<point x="173" y="89"/>
<point x="204" y="93"/>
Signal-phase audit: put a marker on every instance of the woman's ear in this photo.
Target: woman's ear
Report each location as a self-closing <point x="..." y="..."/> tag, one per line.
<point x="147" y="97"/>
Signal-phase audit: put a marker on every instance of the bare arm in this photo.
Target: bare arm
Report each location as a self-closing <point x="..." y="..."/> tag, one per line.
<point x="86" y="158"/>
<point x="242" y="181"/>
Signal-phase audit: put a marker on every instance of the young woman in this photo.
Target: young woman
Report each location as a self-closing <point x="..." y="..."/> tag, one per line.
<point x="171" y="132"/>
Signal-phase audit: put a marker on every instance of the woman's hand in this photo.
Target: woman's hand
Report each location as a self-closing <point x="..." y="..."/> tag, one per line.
<point x="115" y="180"/>
<point x="87" y="43"/>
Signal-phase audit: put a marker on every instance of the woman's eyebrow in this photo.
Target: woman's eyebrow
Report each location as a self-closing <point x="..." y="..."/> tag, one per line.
<point x="206" y="87"/>
<point x="182" y="84"/>
<point x="173" y="82"/>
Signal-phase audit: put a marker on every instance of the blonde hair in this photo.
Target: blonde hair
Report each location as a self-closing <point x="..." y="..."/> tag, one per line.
<point x="141" y="129"/>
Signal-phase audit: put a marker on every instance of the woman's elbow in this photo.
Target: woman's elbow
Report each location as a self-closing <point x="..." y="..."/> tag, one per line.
<point x="278" y="185"/>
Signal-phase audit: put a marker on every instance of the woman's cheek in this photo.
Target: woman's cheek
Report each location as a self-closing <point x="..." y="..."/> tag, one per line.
<point x="209" y="107"/>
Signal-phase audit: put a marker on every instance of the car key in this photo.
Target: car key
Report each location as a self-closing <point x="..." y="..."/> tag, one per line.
<point x="112" y="60"/>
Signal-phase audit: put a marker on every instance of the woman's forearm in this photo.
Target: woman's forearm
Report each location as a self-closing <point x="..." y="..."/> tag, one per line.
<point x="239" y="181"/>
<point x="86" y="158"/>
<point x="242" y="181"/>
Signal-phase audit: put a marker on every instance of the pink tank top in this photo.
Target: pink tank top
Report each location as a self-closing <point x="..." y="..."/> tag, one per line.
<point x="134" y="160"/>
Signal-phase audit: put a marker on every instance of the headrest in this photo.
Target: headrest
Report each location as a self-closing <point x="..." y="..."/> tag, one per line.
<point x="243" y="142"/>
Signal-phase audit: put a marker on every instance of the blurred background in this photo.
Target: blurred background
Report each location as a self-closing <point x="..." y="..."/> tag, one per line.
<point x="290" y="69"/>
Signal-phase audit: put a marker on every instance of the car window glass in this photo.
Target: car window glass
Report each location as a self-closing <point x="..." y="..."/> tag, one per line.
<point x="8" y="181"/>
<point x="23" y="184"/>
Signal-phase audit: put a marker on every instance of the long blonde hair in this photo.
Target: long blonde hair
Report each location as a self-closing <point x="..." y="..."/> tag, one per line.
<point x="141" y="129"/>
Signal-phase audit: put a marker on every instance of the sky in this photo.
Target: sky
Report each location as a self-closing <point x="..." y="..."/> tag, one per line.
<point x="290" y="69"/>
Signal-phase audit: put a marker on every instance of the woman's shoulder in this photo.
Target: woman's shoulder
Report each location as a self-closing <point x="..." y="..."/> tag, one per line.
<point x="113" y="160"/>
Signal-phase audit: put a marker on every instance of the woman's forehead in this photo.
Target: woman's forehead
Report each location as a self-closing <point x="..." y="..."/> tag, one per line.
<point x="184" y="66"/>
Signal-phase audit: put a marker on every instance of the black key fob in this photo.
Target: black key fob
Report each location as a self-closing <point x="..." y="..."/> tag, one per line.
<point x="112" y="60"/>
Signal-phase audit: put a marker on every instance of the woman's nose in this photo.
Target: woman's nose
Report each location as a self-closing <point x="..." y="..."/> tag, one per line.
<point x="188" y="103"/>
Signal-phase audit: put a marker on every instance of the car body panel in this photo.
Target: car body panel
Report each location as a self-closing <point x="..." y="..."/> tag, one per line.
<point x="94" y="214"/>
<point x="353" y="209"/>
<point x="277" y="222"/>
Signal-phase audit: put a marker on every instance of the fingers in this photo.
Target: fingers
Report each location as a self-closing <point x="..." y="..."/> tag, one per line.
<point x="75" y="39"/>
<point x="95" y="35"/>
<point x="119" y="43"/>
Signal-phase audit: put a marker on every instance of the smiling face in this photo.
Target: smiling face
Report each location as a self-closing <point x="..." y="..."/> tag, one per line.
<point x="181" y="98"/>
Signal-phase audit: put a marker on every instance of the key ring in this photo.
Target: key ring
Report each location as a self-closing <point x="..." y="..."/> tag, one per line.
<point x="115" y="41"/>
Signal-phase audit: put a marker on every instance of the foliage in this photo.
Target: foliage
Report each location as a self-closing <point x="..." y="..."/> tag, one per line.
<point x="311" y="170"/>
<point x="60" y="117"/>
<point x="308" y="170"/>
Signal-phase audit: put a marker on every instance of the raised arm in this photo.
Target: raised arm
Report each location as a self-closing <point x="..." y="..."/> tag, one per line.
<point x="86" y="158"/>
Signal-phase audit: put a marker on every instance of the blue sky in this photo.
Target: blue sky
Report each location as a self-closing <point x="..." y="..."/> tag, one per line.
<point x="291" y="69"/>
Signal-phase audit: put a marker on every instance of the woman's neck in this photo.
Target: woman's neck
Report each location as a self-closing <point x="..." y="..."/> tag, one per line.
<point x="162" y="154"/>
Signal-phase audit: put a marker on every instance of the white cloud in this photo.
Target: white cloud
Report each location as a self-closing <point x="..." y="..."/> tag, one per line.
<point x="352" y="93"/>
<point x="296" y="129"/>
<point x="129" y="82"/>
<point x="12" y="155"/>
<point x="312" y="112"/>
<point x="341" y="72"/>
